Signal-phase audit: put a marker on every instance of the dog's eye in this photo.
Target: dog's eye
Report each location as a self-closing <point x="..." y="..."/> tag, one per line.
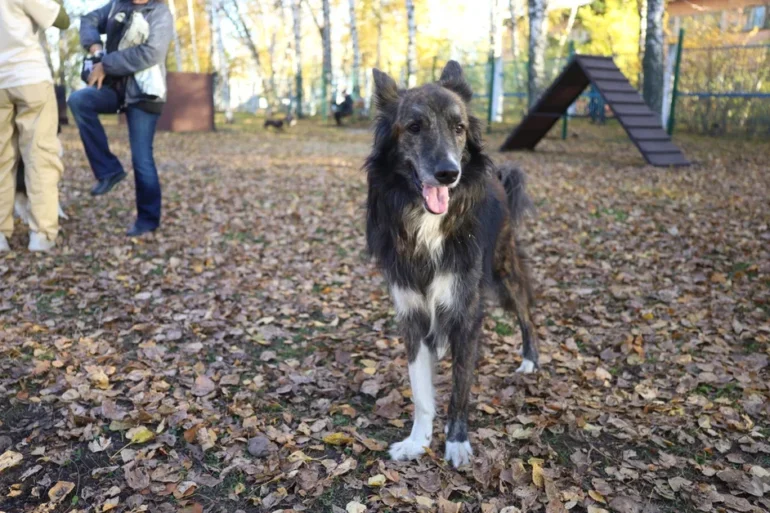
<point x="460" y="128"/>
<point x="414" y="128"/>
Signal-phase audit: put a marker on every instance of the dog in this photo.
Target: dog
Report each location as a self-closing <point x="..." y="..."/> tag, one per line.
<point x="288" y="121"/>
<point x="441" y="225"/>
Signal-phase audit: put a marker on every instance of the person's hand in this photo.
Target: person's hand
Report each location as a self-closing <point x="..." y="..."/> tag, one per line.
<point x="97" y="75"/>
<point x="96" y="47"/>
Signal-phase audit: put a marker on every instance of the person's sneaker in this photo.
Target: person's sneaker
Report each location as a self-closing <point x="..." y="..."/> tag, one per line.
<point x="137" y="231"/>
<point x="39" y="242"/>
<point x="4" y="244"/>
<point x="106" y="185"/>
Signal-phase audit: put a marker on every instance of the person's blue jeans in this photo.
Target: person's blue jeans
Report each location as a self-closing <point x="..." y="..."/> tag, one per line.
<point x="86" y="105"/>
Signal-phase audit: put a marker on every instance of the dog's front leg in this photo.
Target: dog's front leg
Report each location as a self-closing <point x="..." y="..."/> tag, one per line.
<point x="464" y="341"/>
<point x="421" y="367"/>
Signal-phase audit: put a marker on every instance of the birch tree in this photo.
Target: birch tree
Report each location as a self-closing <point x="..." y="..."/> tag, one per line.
<point x="193" y="35"/>
<point x="514" y="12"/>
<point x="326" y="35"/>
<point x="222" y="67"/>
<point x="177" y="45"/>
<point x="652" y="64"/>
<point x="297" y="18"/>
<point x="538" y="39"/>
<point x="496" y="58"/>
<point x="243" y="32"/>
<point x="411" y="47"/>
<point x="356" y="51"/>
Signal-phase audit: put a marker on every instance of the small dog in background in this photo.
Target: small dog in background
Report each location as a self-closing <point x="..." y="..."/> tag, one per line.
<point x="279" y="124"/>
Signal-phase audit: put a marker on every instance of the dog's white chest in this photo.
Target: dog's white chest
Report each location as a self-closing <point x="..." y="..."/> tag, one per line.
<point x="428" y="234"/>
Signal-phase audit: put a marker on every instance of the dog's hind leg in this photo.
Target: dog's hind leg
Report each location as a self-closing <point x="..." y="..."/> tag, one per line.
<point x="422" y="359"/>
<point x="515" y="292"/>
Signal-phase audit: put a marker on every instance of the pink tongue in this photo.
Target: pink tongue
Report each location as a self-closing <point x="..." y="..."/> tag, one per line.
<point x="437" y="198"/>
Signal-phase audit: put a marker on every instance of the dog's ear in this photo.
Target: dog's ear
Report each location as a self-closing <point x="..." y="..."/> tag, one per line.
<point x="453" y="79"/>
<point x="385" y="92"/>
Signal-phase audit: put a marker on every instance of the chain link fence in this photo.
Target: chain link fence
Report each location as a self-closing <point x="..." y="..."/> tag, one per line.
<point x="722" y="90"/>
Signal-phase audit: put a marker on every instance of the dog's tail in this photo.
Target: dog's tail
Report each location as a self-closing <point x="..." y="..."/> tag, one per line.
<point x="515" y="182"/>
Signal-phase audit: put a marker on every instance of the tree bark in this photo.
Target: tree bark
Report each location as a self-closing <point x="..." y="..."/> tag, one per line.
<point x="496" y="59"/>
<point x="177" y="45"/>
<point x="538" y="39"/>
<point x="244" y="34"/>
<point x="193" y="35"/>
<point x="356" y="51"/>
<point x="297" y="15"/>
<point x="326" y="35"/>
<point x="379" y="35"/>
<point x="223" y="69"/>
<point x="513" y="9"/>
<point x="641" y="6"/>
<point x="411" y="48"/>
<point x="652" y="64"/>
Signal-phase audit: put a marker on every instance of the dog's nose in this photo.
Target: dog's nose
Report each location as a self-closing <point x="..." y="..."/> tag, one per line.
<point x="446" y="172"/>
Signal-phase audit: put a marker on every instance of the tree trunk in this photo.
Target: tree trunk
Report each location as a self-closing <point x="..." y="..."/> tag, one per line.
<point x="297" y="14"/>
<point x="411" y="48"/>
<point x="356" y="51"/>
<point x="222" y="68"/>
<point x="496" y="59"/>
<point x="641" y="6"/>
<point x="177" y="45"/>
<point x="652" y="63"/>
<point x="379" y="35"/>
<point x="193" y="35"/>
<point x="538" y="39"/>
<point x="244" y="34"/>
<point x="513" y="9"/>
<point x="326" y="34"/>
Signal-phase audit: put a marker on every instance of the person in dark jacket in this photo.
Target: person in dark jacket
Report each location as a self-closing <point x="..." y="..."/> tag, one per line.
<point x="343" y="109"/>
<point x="115" y="84"/>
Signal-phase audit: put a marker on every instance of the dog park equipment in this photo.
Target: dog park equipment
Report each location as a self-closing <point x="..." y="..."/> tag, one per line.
<point x="189" y="103"/>
<point x="642" y="125"/>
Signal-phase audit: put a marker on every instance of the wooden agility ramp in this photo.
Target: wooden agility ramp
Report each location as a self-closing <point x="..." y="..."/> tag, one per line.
<point x="641" y="124"/>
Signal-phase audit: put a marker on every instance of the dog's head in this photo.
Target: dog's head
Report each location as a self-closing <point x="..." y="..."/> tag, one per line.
<point x="431" y="132"/>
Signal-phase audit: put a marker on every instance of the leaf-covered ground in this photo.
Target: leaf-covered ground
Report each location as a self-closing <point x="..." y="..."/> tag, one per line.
<point x="246" y="358"/>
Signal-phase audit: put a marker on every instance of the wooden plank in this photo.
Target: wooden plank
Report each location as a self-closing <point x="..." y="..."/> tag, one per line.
<point x="606" y="86"/>
<point x="666" y="159"/>
<point x="624" y="98"/>
<point x="612" y="75"/>
<point x="640" y="122"/>
<point x="625" y="109"/>
<point x="657" y="147"/>
<point x="648" y="134"/>
<point x="596" y="63"/>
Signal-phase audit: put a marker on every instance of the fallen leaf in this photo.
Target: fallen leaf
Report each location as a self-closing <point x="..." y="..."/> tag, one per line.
<point x="9" y="459"/>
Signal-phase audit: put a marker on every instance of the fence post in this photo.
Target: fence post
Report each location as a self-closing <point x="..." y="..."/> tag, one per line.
<point x="675" y="89"/>
<point x="565" y="117"/>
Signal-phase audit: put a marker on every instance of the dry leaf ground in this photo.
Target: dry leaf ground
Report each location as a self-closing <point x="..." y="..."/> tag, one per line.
<point x="246" y="358"/>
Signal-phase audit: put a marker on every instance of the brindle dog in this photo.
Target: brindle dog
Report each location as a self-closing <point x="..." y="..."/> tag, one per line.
<point x="441" y="222"/>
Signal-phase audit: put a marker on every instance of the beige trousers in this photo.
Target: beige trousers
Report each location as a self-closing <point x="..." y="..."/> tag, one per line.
<point x="28" y="126"/>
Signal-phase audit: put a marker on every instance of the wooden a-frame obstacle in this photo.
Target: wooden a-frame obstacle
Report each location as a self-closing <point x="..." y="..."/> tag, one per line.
<point x="641" y="124"/>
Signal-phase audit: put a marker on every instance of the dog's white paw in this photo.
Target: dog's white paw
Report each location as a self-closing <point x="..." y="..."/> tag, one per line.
<point x="408" y="449"/>
<point x="527" y="367"/>
<point x="21" y="208"/>
<point x="458" y="453"/>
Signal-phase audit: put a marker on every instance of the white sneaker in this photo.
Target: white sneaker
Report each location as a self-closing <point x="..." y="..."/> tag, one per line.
<point x="4" y="244"/>
<point x="38" y="242"/>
